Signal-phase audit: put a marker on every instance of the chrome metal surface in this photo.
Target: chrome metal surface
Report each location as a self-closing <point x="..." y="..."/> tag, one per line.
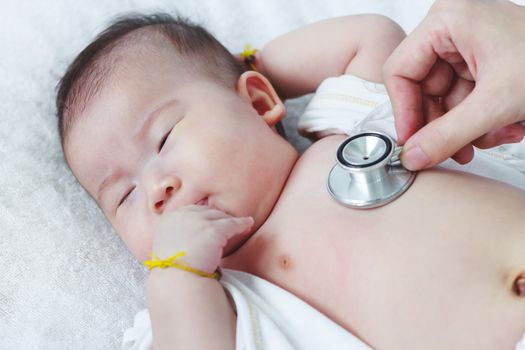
<point x="368" y="172"/>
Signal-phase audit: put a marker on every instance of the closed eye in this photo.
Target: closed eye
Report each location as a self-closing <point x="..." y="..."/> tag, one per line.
<point x="163" y="141"/>
<point x="126" y="196"/>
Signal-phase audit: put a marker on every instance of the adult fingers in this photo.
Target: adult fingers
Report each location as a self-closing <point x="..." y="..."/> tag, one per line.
<point x="444" y="136"/>
<point x="438" y="80"/>
<point x="459" y="90"/>
<point x="462" y="69"/>
<point x="464" y="155"/>
<point x="409" y="64"/>
<point x="433" y="110"/>
<point x="508" y="134"/>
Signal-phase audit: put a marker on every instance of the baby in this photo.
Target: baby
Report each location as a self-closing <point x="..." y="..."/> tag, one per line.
<point x="178" y="147"/>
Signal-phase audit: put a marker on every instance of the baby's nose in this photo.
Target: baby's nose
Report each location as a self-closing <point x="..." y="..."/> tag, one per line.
<point x="161" y="193"/>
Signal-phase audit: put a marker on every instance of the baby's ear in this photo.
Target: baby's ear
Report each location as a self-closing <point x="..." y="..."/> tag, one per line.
<point x="259" y="92"/>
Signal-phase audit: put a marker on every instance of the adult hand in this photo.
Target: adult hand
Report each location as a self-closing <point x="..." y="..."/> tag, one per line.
<point x="458" y="81"/>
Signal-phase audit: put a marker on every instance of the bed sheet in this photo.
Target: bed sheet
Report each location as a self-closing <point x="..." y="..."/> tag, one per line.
<point x="66" y="280"/>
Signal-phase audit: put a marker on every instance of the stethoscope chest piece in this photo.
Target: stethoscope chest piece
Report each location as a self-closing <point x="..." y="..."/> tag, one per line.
<point x="368" y="172"/>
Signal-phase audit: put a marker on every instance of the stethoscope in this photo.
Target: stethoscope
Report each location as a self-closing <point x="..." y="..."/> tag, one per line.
<point x="368" y="172"/>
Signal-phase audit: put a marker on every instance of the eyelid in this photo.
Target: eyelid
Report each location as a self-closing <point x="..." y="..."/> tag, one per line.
<point x="163" y="140"/>
<point x="161" y="145"/>
<point x="125" y="197"/>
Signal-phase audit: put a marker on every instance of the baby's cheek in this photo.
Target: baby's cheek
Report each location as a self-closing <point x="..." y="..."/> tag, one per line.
<point x="144" y="246"/>
<point x="137" y="236"/>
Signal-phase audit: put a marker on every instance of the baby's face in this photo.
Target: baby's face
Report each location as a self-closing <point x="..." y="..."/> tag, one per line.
<point x="155" y="139"/>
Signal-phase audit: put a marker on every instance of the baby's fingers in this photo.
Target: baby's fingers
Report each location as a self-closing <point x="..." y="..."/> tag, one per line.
<point x="208" y="212"/>
<point x="229" y="227"/>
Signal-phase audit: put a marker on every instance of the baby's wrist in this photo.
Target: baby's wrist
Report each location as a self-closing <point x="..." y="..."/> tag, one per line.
<point x="174" y="287"/>
<point x="163" y="275"/>
<point x="162" y="281"/>
<point x="176" y="262"/>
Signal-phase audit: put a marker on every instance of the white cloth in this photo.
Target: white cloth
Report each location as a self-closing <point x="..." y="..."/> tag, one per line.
<point x="268" y="317"/>
<point x="521" y="344"/>
<point x="348" y="104"/>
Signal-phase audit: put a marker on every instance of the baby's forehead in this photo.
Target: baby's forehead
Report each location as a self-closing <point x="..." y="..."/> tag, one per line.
<point x="127" y="56"/>
<point x="139" y="58"/>
<point x="140" y="46"/>
<point x="128" y="94"/>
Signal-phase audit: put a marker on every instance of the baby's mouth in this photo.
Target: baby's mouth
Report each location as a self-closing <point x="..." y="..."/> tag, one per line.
<point x="203" y="201"/>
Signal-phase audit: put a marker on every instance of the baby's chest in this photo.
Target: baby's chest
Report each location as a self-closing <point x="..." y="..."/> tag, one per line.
<point x="399" y="264"/>
<point x="314" y="247"/>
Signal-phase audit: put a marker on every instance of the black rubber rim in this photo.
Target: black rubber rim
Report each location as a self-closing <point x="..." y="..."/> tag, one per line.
<point x="343" y="161"/>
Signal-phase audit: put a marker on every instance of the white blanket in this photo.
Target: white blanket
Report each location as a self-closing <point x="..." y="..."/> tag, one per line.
<point x="268" y="317"/>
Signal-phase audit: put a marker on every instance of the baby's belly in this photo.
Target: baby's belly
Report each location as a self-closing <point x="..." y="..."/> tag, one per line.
<point x="432" y="270"/>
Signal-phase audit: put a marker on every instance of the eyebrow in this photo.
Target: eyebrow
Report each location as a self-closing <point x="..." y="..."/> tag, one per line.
<point x="146" y="125"/>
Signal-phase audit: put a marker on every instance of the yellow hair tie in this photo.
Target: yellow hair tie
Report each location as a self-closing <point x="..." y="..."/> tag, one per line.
<point x="172" y="262"/>
<point x="249" y="56"/>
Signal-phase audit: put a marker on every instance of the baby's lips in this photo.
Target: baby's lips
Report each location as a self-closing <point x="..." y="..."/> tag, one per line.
<point x="206" y="202"/>
<point x="203" y="201"/>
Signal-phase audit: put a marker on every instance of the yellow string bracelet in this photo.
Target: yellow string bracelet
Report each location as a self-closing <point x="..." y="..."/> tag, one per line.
<point x="249" y="56"/>
<point x="172" y="262"/>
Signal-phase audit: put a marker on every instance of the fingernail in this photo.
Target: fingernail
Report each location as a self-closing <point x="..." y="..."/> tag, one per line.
<point x="414" y="158"/>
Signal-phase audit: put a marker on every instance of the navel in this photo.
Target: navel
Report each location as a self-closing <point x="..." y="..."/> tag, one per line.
<point x="519" y="285"/>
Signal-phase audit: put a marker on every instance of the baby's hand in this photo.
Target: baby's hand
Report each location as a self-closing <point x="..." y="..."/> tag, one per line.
<point x="201" y="232"/>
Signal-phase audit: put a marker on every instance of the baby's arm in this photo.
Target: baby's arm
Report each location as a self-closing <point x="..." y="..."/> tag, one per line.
<point x="188" y="311"/>
<point x="297" y="62"/>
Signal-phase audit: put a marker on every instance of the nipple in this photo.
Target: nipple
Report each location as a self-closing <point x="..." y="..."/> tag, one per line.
<point x="284" y="262"/>
<point x="519" y="286"/>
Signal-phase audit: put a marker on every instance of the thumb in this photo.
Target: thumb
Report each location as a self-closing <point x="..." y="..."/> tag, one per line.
<point x="248" y="221"/>
<point x="444" y="136"/>
<point x="236" y="226"/>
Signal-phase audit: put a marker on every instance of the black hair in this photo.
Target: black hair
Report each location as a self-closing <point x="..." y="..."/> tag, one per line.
<point x="88" y="71"/>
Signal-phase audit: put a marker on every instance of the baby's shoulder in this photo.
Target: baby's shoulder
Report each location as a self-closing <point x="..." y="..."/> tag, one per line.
<point x="317" y="159"/>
